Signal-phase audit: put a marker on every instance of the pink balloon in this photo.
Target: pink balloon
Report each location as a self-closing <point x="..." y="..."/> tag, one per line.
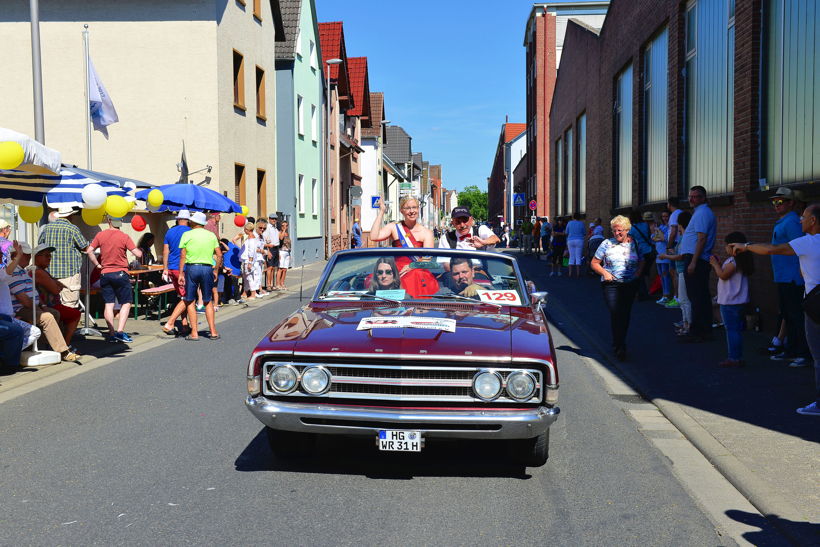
<point x="138" y="223"/>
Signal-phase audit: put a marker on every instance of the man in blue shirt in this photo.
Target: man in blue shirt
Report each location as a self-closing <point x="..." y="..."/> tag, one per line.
<point x="546" y="234"/>
<point x="171" y="273"/>
<point x="696" y="247"/>
<point x="356" y="234"/>
<point x="790" y="285"/>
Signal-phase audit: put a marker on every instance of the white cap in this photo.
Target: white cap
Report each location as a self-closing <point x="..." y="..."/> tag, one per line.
<point x="43" y="247"/>
<point x="183" y="214"/>
<point x="25" y="248"/>
<point x="4" y="224"/>
<point x="115" y="222"/>
<point x="199" y="218"/>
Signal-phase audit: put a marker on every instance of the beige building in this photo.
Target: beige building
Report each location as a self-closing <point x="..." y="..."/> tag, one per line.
<point x="198" y="71"/>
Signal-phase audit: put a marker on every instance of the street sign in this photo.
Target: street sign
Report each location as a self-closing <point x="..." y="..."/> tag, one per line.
<point x="519" y="200"/>
<point x="374" y="202"/>
<point x="533" y="205"/>
<point x="406" y="186"/>
<point x="355" y="191"/>
<point x="355" y="202"/>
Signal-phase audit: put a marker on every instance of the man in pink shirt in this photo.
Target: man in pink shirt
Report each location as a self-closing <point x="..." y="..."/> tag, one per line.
<point x="115" y="284"/>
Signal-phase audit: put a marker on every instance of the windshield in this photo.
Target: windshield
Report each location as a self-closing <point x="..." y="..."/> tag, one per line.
<point x="398" y="275"/>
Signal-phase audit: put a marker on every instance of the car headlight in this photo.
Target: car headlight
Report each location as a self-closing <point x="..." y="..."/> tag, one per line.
<point x="520" y="385"/>
<point x="315" y="380"/>
<point x="283" y="378"/>
<point x="487" y="385"/>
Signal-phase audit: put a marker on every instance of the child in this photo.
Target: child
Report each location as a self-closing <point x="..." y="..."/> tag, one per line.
<point x="733" y="295"/>
<point x="682" y="300"/>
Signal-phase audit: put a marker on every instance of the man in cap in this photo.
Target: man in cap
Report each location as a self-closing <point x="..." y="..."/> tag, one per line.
<point x="787" y="276"/>
<point x="12" y="335"/>
<point x="201" y="259"/>
<point x="115" y="284"/>
<point x="67" y="260"/>
<point x="26" y="300"/>
<point x="271" y="237"/>
<point x="466" y="235"/>
<point x="170" y="258"/>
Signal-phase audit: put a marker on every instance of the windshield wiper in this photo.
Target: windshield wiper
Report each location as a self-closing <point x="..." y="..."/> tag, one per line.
<point x="460" y="297"/>
<point x="359" y="294"/>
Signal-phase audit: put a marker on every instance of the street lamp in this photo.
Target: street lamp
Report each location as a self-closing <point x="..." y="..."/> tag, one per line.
<point x="328" y="245"/>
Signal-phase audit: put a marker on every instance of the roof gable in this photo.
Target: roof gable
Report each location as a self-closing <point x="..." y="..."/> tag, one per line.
<point x="377" y="116"/>
<point x="360" y="89"/>
<point x="332" y="42"/>
<point x="512" y="130"/>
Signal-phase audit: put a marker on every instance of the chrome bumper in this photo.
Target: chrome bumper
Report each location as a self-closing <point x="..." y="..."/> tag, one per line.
<point x="454" y="423"/>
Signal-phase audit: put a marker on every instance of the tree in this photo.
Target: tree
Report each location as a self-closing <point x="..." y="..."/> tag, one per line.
<point x="476" y="200"/>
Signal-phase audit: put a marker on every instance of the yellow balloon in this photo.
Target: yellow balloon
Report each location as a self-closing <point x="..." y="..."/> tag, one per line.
<point x="244" y="210"/>
<point x="11" y="155"/>
<point x="93" y="217"/>
<point x="130" y="204"/>
<point x="116" y="206"/>
<point x="155" y="198"/>
<point x="31" y="214"/>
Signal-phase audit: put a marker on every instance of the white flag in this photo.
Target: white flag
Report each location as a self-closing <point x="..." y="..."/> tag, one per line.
<point x="100" y="106"/>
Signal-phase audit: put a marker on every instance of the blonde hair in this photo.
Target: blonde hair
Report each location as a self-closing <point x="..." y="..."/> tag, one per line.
<point x="621" y="221"/>
<point x="249" y="226"/>
<point x="406" y="199"/>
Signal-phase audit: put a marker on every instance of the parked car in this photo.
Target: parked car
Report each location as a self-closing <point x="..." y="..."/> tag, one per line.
<point x="408" y="349"/>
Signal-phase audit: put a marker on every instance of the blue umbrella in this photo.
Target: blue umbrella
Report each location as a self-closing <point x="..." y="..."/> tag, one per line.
<point x="193" y="198"/>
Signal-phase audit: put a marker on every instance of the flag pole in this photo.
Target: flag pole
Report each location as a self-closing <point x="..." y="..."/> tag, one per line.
<point x="86" y="330"/>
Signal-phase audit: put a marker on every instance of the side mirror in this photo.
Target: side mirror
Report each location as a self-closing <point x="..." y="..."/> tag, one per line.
<point x="539" y="297"/>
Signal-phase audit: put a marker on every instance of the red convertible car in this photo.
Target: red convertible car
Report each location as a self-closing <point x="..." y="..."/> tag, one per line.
<point x="408" y="349"/>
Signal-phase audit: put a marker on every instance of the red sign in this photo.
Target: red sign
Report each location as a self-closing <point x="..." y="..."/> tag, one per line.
<point x="533" y="205"/>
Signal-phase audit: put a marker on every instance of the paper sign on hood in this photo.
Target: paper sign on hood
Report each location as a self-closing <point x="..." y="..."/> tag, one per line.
<point x="412" y="322"/>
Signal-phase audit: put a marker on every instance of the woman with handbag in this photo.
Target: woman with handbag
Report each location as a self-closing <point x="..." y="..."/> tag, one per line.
<point x="807" y="249"/>
<point x="619" y="264"/>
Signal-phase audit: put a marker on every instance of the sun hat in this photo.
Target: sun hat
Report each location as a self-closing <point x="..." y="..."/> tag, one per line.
<point x="42" y="247"/>
<point x="4" y="224"/>
<point x="199" y="218"/>
<point x="784" y="193"/>
<point x="64" y="211"/>
<point x="25" y="248"/>
<point x="647" y="215"/>
<point x="183" y="214"/>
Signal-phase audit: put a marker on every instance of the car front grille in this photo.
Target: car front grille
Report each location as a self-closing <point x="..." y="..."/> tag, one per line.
<point x="413" y="383"/>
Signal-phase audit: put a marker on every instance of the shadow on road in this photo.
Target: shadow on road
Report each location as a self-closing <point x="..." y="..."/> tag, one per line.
<point x="336" y="454"/>
<point x="802" y="533"/>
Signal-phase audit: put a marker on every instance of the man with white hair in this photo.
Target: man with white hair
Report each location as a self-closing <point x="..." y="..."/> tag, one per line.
<point x="67" y="259"/>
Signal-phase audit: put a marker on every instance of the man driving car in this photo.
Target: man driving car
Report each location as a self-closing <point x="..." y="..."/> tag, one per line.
<point x="463" y="274"/>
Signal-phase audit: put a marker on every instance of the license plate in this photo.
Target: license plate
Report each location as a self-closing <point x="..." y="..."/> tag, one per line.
<point x="399" y="441"/>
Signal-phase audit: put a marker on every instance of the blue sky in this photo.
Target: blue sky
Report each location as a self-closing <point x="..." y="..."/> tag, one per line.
<point x="450" y="71"/>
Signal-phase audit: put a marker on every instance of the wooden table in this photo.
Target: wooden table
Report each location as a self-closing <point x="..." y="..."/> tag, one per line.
<point x="136" y="274"/>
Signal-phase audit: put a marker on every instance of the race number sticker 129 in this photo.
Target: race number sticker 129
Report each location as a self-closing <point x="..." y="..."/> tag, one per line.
<point x="508" y="297"/>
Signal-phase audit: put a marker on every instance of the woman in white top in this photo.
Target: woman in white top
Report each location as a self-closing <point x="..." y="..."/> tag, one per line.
<point x="252" y="256"/>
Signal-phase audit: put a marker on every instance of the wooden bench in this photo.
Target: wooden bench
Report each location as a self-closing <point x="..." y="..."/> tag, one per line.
<point x="157" y="296"/>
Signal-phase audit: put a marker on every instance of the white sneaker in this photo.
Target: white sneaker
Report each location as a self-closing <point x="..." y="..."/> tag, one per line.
<point x="809" y="410"/>
<point x="799" y="363"/>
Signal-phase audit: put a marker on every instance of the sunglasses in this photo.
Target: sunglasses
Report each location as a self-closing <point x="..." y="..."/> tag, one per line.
<point x="384" y="272"/>
<point x="777" y="202"/>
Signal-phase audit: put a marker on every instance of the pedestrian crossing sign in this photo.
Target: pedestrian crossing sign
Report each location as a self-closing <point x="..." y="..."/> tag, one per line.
<point x="519" y="200"/>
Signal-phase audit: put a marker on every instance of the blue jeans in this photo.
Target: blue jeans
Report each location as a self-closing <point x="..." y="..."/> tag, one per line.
<point x="733" y="322"/>
<point x="199" y="276"/>
<point x="666" y="278"/>
<point x="11" y="342"/>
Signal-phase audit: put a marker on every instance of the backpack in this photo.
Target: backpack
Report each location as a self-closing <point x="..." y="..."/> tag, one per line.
<point x="452" y="238"/>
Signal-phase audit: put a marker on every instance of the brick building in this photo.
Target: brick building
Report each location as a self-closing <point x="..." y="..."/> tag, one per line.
<point x="676" y="94"/>
<point x="543" y="40"/>
<point x="512" y="144"/>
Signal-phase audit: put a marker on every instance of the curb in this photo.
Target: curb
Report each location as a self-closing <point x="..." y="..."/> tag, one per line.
<point x="12" y="383"/>
<point x="770" y="502"/>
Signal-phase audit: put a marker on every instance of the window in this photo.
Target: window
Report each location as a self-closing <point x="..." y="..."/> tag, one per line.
<point x="299" y="43"/>
<point x="654" y="132"/>
<point x="710" y="50"/>
<point x="238" y="80"/>
<point x="312" y="57"/>
<point x="301" y="204"/>
<point x="559" y="178"/>
<point x="570" y="182"/>
<point x="257" y="9"/>
<point x="300" y="115"/>
<point x="261" y="192"/>
<point x="239" y="183"/>
<point x="260" y="93"/>
<point x="314" y="135"/>
<point x="623" y="136"/>
<point x="314" y="197"/>
<point x="792" y="92"/>
<point x="582" y="163"/>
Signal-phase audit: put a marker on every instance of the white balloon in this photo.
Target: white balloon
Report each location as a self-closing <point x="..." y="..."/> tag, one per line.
<point x="151" y="208"/>
<point x="129" y="187"/>
<point x="94" y="196"/>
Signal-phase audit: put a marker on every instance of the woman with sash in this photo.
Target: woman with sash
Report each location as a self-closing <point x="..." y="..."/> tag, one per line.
<point x="407" y="234"/>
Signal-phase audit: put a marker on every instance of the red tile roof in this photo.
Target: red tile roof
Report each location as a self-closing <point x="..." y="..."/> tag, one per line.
<point x="331" y="38"/>
<point x="512" y="130"/>
<point x="376" y="115"/>
<point x="359" y="88"/>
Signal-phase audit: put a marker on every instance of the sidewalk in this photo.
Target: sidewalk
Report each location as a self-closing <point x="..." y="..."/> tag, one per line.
<point x="743" y="420"/>
<point x="143" y="330"/>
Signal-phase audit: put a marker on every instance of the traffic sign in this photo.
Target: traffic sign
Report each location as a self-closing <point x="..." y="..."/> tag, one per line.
<point x="533" y="205"/>
<point x="374" y="202"/>
<point x="519" y="200"/>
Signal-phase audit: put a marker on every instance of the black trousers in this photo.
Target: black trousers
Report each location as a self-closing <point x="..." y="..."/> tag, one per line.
<point x="791" y="309"/>
<point x="618" y="298"/>
<point x="697" y="289"/>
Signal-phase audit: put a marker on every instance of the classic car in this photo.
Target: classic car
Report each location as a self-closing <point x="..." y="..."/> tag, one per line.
<point x="408" y="349"/>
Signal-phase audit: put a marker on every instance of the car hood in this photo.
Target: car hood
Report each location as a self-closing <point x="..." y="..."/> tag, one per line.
<point x="479" y="330"/>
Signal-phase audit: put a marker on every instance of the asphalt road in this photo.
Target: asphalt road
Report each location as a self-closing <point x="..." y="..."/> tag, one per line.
<point x="158" y="449"/>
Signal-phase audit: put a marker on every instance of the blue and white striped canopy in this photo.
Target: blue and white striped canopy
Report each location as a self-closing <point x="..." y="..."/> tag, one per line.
<point x="65" y="189"/>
